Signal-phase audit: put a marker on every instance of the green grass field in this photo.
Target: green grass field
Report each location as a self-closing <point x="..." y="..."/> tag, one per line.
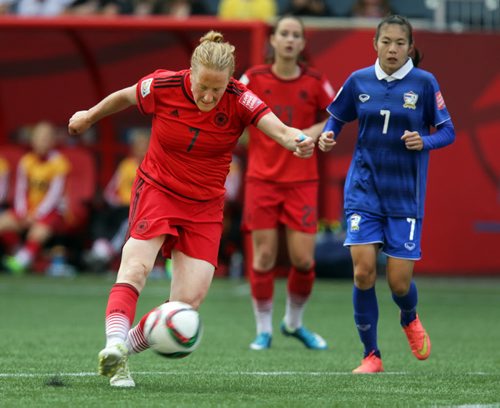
<point x="52" y="329"/>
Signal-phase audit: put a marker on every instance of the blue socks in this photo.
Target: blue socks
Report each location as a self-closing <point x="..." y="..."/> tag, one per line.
<point x="366" y="318"/>
<point x="407" y="304"/>
<point x="366" y="313"/>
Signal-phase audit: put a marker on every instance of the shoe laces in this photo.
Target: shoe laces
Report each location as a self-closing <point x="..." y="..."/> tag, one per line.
<point x="415" y="332"/>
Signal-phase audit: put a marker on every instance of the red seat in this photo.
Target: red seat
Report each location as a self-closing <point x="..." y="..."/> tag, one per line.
<point x="81" y="183"/>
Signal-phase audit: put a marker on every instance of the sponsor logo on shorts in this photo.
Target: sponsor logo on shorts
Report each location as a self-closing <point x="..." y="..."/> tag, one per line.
<point x="142" y="226"/>
<point x="354" y="222"/>
<point x="410" y="246"/>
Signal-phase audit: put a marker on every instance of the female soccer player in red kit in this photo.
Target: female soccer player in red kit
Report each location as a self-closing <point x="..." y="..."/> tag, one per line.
<point x="281" y="189"/>
<point x="178" y="197"/>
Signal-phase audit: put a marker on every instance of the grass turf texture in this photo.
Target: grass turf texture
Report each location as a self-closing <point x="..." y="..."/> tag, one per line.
<point x="52" y="330"/>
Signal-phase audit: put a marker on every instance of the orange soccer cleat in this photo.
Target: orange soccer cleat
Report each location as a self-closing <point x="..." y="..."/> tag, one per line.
<point x="369" y="365"/>
<point x="418" y="339"/>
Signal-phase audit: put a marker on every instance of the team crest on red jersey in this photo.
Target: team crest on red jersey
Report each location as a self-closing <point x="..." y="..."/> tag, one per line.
<point x="142" y="226"/>
<point x="250" y="101"/>
<point x="220" y="119"/>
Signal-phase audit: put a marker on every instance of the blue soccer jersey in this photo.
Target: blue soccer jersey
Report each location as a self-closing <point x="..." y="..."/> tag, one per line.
<point x="385" y="177"/>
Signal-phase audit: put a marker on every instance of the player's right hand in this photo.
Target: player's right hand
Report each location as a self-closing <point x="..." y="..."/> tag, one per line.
<point x="326" y="141"/>
<point x="79" y="123"/>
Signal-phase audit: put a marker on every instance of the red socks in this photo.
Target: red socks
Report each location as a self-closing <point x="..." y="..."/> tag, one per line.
<point x="300" y="284"/>
<point x="262" y="284"/>
<point x="120" y="312"/>
<point x="123" y="299"/>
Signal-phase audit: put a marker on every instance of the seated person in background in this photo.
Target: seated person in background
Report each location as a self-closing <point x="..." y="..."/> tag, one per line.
<point x="6" y="7"/>
<point x="309" y="8"/>
<point x="4" y="181"/>
<point x="46" y="8"/>
<point x="100" y="7"/>
<point x="39" y="208"/>
<point x="174" y="8"/>
<point x="371" y="8"/>
<point x="247" y="9"/>
<point x="110" y="224"/>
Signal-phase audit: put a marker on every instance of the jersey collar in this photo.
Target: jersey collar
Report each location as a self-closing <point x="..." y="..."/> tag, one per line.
<point x="399" y="74"/>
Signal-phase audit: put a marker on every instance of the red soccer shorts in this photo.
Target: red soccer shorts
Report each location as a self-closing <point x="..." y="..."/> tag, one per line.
<point x="268" y="204"/>
<point x="192" y="227"/>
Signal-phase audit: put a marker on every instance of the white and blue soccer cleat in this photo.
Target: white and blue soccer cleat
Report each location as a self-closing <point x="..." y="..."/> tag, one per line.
<point x="261" y="342"/>
<point x="309" y="339"/>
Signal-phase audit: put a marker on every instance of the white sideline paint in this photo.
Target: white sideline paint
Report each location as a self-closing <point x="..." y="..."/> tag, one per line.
<point x="233" y="373"/>
<point x="230" y="373"/>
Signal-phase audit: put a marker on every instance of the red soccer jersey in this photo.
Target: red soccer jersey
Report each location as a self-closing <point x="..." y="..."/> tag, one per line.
<point x="190" y="150"/>
<point x="298" y="103"/>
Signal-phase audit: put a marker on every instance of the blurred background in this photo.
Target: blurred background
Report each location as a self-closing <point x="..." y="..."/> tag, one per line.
<point x="60" y="56"/>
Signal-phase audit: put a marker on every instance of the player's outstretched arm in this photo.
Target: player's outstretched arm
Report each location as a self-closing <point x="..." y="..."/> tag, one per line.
<point x="115" y="102"/>
<point x="290" y="138"/>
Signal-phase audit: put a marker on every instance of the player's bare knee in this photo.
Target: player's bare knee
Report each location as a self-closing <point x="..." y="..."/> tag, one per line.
<point x="303" y="264"/>
<point x="364" y="278"/>
<point x="399" y="287"/>
<point x="265" y="262"/>
<point x="134" y="272"/>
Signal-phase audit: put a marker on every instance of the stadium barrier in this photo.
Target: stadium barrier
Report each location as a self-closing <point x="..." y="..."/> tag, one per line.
<point x="50" y="68"/>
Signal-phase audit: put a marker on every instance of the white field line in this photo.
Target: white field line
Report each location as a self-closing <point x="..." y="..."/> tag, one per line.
<point x="229" y="373"/>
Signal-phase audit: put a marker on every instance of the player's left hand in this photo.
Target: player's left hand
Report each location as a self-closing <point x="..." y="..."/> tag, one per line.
<point x="413" y="140"/>
<point x="304" y="146"/>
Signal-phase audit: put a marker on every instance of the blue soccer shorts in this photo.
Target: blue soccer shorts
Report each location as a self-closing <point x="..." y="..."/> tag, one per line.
<point x="399" y="236"/>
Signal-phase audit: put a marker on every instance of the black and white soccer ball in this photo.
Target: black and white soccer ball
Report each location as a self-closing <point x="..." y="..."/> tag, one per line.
<point x="173" y="330"/>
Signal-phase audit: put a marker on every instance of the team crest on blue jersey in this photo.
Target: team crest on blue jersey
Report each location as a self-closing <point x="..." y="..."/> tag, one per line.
<point x="410" y="100"/>
<point x="354" y="221"/>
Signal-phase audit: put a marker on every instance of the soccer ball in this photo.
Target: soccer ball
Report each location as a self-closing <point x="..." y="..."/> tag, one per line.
<point x="173" y="330"/>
